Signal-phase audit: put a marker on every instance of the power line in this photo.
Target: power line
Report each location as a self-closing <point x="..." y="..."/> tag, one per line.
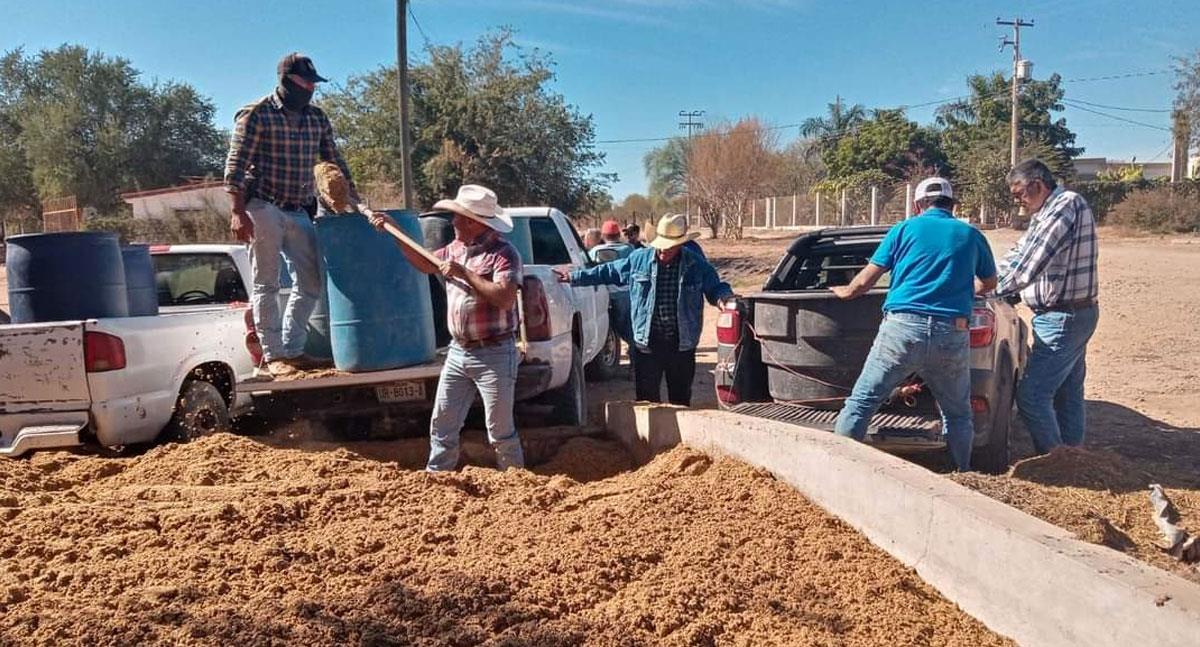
<point x="419" y="28"/>
<point x="935" y="102"/>
<point x="1116" y="117"/>
<point x="1127" y="75"/>
<point x="1101" y="105"/>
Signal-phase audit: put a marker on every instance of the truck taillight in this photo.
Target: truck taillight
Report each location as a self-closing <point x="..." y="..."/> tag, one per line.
<point x="253" y="345"/>
<point x="537" y="309"/>
<point x="102" y="352"/>
<point x="983" y="327"/>
<point x="729" y="326"/>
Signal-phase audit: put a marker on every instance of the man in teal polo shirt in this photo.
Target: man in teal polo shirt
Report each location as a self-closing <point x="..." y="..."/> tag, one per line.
<point x="935" y="261"/>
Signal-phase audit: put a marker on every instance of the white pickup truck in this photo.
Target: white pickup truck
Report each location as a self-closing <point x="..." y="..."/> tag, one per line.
<point x="564" y="329"/>
<point x="129" y="380"/>
<point x="182" y="374"/>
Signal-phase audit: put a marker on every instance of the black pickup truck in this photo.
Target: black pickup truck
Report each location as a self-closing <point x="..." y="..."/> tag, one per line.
<point x="792" y="352"/>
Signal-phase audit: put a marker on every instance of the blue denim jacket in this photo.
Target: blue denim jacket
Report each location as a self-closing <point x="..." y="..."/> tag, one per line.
<point x="698" y="280"/>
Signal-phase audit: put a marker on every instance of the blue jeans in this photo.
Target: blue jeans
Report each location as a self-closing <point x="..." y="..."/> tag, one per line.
<point x="493" y="371"/>
<point x="292" y="233"/>
<point x="941" y="353"/>
<point x="1050" y="395"/>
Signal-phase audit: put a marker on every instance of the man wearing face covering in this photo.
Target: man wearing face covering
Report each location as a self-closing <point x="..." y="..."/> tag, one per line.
<point x="269" y="176"/>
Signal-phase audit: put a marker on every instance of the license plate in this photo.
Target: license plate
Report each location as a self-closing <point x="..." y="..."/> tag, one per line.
<point x="401" y="391"/>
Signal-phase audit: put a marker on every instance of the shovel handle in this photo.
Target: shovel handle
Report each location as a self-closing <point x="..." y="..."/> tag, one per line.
<point x="411" y="244"/>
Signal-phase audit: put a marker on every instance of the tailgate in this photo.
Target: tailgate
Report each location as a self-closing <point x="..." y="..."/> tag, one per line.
<point x="42" y="368"/>
<point x="813" y="343"/>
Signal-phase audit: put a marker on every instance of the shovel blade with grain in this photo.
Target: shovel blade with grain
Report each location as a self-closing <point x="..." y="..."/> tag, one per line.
<point x="334" y="191"/>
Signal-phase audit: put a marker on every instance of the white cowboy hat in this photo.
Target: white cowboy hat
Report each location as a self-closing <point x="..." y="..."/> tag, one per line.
<point x="478" y="203"/>
<point x="672" y="231"/>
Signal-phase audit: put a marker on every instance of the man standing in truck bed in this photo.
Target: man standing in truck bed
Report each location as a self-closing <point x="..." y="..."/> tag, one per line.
<point x="935" y="260"/>
<point x="269" y="177"/>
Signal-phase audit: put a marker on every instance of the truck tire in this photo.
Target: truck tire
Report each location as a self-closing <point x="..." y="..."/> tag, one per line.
<point x="569" y="401"/>
<point x="607" y="362"/>
<point x="992" y="458"/>
<point x="199" y="411"/>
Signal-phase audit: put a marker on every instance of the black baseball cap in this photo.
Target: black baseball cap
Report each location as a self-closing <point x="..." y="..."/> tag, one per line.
<point x="631" y="227"/>
<point x="301" y="65"/>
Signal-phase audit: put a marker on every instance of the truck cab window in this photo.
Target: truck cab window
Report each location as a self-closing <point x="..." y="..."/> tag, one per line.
<point x="548" y="245"/>
<point x="197" y="279"/>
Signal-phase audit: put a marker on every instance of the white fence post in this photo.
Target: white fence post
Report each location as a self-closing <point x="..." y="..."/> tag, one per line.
<point x="817" y="219"/>
<point x="843" y="216"/>
<point x="874" y="205"/>
<point x="908" y="192"/>
<point x="795" y="196"/>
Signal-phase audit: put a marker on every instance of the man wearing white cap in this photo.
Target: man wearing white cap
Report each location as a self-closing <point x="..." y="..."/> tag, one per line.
<point x="935" y="261"/>
<point x="667" y="286"/>
<point x="482" y="272"/>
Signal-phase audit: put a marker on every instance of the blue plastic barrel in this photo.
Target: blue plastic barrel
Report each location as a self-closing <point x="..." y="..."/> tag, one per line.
<point x="65" y="276"/>
<point x="379" y="310"/>
<point x="318" y="343"/>
<point x="140" y="287"/>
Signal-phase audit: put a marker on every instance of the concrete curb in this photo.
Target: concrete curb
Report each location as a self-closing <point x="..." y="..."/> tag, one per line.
<point x="1021" y="576"/>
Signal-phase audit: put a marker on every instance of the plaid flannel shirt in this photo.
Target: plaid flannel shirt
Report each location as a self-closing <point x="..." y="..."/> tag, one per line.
<point x="470" y="317"/>
<point x="279" y="154"/>
<point x="1054" y="263"/>
<point x="664" y="322"/>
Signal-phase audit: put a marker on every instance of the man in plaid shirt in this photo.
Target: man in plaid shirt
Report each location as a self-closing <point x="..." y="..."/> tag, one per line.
<point x="269" y="176"/>
<point x="1053" y="268"/>
<point x="482" y="272"/>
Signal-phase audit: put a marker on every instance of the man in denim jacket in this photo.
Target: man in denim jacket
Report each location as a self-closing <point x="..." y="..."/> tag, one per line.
<point x="668" y="284"/>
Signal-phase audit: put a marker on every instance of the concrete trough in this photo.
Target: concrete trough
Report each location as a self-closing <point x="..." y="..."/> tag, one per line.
<point x="1022" y="577"/>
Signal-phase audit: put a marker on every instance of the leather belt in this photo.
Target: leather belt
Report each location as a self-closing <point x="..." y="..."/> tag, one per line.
<point x="1066" y="306"/>
<point x="483" y="343"/>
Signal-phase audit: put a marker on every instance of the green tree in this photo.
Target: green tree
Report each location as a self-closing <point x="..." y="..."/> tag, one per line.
<point x="975" y="135"/>
<point x="887" y="147"/>
<point x="828" y="130"/>
<point x="484" y="114"/>
<point x="666" y="170"/>
<point x="83" y="124"/>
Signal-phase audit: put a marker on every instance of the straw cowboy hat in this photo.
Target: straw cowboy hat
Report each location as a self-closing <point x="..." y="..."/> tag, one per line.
<point x="479" y="204"/>
<point x="672" y="231"/>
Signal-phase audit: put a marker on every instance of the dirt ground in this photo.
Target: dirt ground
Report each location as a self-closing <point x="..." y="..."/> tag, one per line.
<point x="235" y="540"/>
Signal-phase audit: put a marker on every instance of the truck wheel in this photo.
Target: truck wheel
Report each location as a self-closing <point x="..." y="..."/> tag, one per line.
<point x="607" y="362"/>
<point x="199" y="411"/>
<point x="992" y="458"/>
<point x="570" y="400"/>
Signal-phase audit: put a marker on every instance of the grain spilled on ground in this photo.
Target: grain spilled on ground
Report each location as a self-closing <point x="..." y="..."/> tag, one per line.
<point x="1101" y="496"/>
<point x="230" y="540"/>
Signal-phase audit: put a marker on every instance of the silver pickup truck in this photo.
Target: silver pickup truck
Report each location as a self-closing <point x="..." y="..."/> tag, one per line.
<point x="792" y="351"/>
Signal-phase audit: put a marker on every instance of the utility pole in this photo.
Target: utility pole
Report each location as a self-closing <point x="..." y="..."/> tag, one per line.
<point x="1181" y="136"/>
<point x="402" y="82"/>
<point x="691" y="124"/>
<point x="1016" y="24"/>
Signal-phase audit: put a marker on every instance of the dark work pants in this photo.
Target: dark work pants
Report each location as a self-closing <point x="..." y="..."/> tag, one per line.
<point x="679" y="367"/>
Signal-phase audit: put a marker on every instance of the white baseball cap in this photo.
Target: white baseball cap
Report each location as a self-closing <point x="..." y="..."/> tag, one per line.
<point x="933" y="187"/>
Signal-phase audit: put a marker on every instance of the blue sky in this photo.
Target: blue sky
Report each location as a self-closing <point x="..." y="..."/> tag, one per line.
<point x="634" y="64"/>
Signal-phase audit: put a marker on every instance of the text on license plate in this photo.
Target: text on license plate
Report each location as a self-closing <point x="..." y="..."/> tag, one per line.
<point x="401" y="391"/>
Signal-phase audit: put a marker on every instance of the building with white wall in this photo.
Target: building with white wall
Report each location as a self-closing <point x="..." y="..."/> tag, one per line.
<point x="176" y="201"/>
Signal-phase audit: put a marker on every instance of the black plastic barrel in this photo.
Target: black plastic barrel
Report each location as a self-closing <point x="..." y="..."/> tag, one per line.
<point x="66" y="276"/>
<point x="140" y="288"/>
